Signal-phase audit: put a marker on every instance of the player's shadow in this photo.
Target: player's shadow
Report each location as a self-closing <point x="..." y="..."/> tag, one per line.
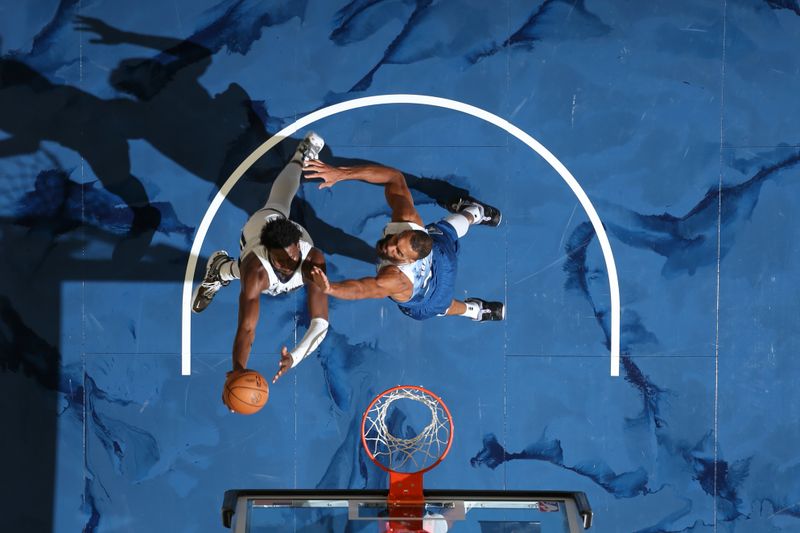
<point x="163" y="103"/>
<point x="34" y="110"/>
<point x="166" y="106"/>
<point x="210" y="135"/>
<point x="43" y="255"/>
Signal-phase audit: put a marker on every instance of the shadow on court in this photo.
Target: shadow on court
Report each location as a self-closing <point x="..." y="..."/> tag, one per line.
<point x="47" y="230"/>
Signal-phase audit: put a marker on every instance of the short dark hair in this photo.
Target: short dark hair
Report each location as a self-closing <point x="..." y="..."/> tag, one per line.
<point x="279" y="233"/>
<point x="421" y="243"/>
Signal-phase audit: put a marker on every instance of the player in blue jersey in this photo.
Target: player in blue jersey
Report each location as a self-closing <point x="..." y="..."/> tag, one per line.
<point x="417" y="264"/>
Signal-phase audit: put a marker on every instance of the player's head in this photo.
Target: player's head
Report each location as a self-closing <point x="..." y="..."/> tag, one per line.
<point x="281" y="238"/>
<point x="404" y="247"/>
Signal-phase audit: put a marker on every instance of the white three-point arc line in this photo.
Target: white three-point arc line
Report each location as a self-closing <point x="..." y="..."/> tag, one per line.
<point x="384" y="99"/>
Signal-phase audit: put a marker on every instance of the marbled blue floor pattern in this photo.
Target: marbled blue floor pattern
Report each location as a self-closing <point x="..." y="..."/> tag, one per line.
<point x="679" y="119"/>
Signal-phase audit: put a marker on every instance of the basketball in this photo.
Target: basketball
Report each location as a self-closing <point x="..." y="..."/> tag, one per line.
<point x="246" y="393"/>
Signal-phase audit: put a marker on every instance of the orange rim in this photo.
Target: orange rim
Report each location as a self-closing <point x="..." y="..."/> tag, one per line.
<point x="426" y="392"/>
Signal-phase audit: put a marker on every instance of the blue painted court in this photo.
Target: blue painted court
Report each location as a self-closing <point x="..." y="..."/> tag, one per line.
<point x="131" y="133"/>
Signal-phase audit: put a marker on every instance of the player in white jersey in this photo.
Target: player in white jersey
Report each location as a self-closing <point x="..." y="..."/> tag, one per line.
<point x="418" y="265"/>
<point x="276" y="256"/>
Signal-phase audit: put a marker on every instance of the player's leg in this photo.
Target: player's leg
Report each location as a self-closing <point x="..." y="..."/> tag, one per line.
<point x="471" y="213"/>
<point x="283" y="190"/>
<point x="468" y="212"/>
<point x="459" y="308"/>
<point x="474" y="211"/>
<point x="460" y="223"/>
<point x="477" y="309"/>
<point x="220" y="270"/>
<point x="288" y="181"/>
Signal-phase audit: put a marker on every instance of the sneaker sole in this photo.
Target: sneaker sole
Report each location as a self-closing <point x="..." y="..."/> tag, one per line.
<point x="502" y="316"/>
<point x="499" y="219"/>
<point x="195" y="294"/>
<point x="316" y="144"/>
<point x="502" y="313"/>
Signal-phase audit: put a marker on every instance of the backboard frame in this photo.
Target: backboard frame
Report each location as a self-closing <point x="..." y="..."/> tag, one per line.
<point x="235" y="502"/>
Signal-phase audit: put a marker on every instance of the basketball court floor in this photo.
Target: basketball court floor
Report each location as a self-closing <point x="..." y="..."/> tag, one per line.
<point x="645" y="158"/>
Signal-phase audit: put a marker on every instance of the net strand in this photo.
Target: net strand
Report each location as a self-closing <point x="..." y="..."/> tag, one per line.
<point x="403" y="454"/>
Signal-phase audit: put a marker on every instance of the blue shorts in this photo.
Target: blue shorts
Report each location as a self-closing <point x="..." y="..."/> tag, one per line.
<point x="436" y="297"/>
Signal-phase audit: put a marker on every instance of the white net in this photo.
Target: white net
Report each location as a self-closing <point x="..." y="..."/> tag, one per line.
<point x="414" y="451"/>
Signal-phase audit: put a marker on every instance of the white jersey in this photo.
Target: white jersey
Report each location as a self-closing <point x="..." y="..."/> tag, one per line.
<point x="418" y="272"/>
<point x="251" y="243"/>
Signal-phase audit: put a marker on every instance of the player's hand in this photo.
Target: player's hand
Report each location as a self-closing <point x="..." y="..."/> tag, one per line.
<point x="330" y="175"/>
<point x="231" y="374"/>
<point x="319" y="279"/>
<point x="106" y="34"/>
<point x="284" y="365"/>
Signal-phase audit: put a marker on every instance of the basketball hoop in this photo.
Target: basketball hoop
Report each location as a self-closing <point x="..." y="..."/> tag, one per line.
<point x="406" y="457"/>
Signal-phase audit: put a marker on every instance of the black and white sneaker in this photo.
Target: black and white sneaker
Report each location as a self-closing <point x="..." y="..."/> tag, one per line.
<point x="489" y="310"/>
<point x="491" y="215"/>
<point x="212" y="282"/>
<point x="309" y="148"/>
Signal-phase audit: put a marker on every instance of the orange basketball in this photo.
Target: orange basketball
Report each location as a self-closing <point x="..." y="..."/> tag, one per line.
<point x="246" y="393"/>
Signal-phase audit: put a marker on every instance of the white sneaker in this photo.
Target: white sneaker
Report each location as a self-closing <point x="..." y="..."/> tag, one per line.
<point x="490" y="311"/>
<point x="212" y="282"/>
<point x="309" y="148"/>
<point x="490" y="216"/>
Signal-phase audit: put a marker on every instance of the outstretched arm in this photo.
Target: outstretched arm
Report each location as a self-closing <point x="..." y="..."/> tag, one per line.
<point x="317" y="308"/>
<point x="317" y="299"/>
<point x="253" y="279"/>
<point x="389" y="282"/>
<point x="394" y="185"/>
<point x="185" y="50"/>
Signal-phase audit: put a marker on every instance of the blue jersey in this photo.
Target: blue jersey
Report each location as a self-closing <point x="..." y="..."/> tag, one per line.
<point x="418" y="272"/>
<point x="433" y="277"/>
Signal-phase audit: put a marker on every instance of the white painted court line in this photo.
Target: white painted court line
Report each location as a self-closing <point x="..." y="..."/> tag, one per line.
<point x="383" y="99"/>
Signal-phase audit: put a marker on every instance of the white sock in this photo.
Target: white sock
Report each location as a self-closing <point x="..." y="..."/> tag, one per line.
<point x="476" y="210"/>
<point x="473" y="310"/>
<point x="459" y="222"/>
<point x="229" y="270"/>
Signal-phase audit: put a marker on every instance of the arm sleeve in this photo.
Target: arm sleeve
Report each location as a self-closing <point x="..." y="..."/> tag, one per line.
<point x="317" y="330"/>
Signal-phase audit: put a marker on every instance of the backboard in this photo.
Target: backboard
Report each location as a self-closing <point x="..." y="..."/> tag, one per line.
<point x="443" y="511"/>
